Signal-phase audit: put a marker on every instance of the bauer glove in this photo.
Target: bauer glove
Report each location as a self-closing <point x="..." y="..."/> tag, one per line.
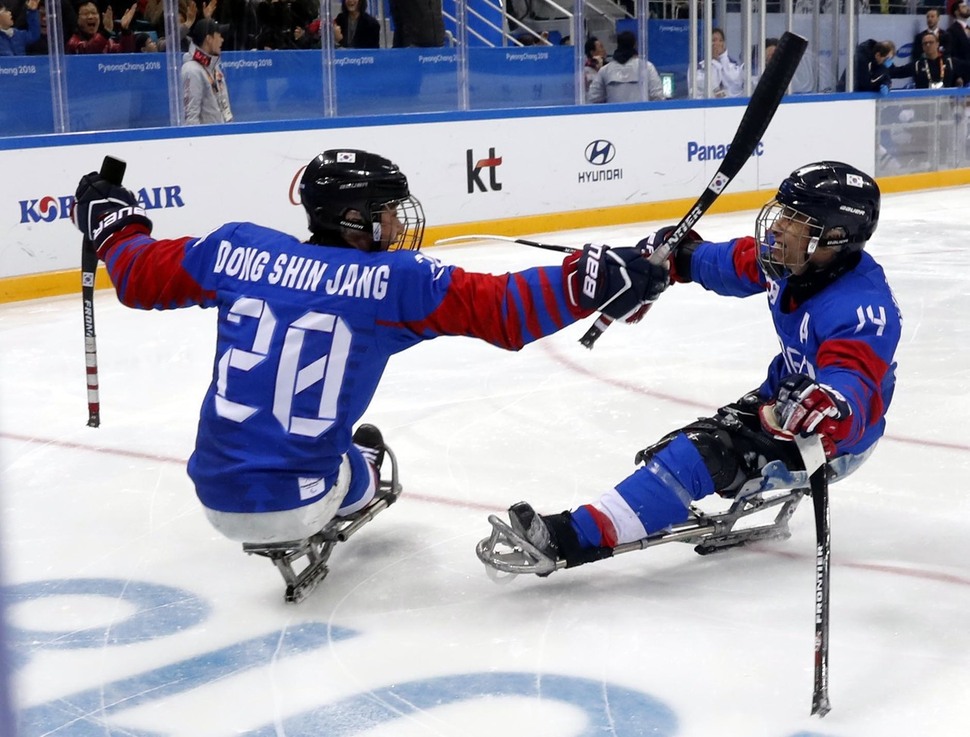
<point x="615" y="281"/>
<point x="101" y="209"/>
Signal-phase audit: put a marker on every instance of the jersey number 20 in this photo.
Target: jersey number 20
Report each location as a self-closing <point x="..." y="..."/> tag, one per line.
<point x="327" y="370"/>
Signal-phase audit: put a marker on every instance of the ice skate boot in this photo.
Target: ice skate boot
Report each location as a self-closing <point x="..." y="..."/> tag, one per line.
<point x="370" y="441"/>
<point x="533" y="543"/>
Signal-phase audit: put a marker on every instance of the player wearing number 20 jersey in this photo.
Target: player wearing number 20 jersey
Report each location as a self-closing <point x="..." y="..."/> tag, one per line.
<point x="305" y="329"/>
<point x="304" y="334"/>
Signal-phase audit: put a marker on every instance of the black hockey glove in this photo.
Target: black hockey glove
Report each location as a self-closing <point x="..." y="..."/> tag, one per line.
<point x="679" y="259"/>
<point x="102" y="209"/>
<point x="615" y="281"/>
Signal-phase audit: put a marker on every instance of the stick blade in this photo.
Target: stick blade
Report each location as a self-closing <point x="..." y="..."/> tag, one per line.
<point x="821" y="705"/>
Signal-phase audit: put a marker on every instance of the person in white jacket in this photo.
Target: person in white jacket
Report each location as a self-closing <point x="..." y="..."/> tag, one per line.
<point x="727" y="74"/>
<point x="619" y="79"/>
<point x="204" y="88"/>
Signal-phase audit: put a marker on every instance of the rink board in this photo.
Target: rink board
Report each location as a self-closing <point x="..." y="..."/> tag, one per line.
<point x="520" y="171"/>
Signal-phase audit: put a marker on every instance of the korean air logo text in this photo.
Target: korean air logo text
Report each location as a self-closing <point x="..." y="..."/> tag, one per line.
<point x="47" y="209"/>
<point x="474" y="172"/>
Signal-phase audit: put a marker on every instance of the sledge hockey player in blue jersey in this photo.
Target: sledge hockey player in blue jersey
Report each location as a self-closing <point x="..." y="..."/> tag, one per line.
<point x="305" y="331"/>
<point x="838" y="325"/>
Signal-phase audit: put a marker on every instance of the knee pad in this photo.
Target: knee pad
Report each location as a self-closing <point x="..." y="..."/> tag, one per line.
<point x="718" y="453"/>
<point x="716" y="448"/>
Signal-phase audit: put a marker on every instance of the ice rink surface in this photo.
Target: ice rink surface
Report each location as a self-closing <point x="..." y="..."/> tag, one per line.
<point x="131" y="616"/>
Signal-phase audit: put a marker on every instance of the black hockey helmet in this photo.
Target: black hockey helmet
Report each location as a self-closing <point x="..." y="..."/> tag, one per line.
<point x="346" y="191"/>
<point x="839" y="203"/>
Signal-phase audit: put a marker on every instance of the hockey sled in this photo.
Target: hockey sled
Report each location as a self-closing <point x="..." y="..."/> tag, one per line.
<point x="777" y="491"/>
<point x="288" y="557"/>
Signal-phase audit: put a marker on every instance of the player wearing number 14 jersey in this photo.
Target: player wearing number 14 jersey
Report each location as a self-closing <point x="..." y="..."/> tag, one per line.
<point x="838" y="326"/>
<point x="305" y="329"/>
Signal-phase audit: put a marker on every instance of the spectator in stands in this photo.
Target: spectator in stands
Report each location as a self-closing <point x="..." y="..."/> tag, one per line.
<point x="932" y="28"/>
<point x="145" y="43"/>
<point x="727" y="74"/>
<point x="935" y="69"/>
<point x="311" y="38"/>
<point x="803" y="80"/>
<point x="187" y="15"/>
<point x="14" y="41"/>
<point x="276" y="26"/>
<point x="204" y="87"/>
<point x="874" y="71"/>
<point x="757" y="67"/>
<point x="957" y="43"/>
<point x="595" y="58"/>
<point x="354" y="28"/>
<point x="243" y="25"/>
<point x="96" y="33"/>
<point x="150" y="17"/>
<point x="66" y="12"/>
<point x="417" y="23"/>
<point x="619" y="79"/>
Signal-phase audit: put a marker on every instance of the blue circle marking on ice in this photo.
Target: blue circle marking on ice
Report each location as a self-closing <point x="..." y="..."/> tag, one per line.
<point x="609" y="709"/>
<point x="159" y="611"/>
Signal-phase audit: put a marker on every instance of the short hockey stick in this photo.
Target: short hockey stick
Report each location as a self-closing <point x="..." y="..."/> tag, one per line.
<point x="815" y="463"/>
<point x="112" y="170"/>
<point x="758" y="114"/>
<point x="523" y="241"/>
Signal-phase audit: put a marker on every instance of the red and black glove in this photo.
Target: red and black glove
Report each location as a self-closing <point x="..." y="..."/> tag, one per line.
<point x="802" y="406"/>
<point x="615" y="281"/>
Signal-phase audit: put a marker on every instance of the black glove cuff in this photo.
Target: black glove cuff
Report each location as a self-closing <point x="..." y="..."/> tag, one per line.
<point x="682" y="259"/>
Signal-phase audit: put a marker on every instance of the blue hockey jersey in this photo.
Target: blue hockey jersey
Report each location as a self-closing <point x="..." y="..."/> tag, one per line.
<point x="844" y="336"/>
<point x="304" y="335"/>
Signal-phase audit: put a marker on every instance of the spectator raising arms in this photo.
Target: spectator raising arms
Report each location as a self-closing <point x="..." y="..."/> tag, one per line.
<point x="95" y="33"/>
<point x="14" y="41"/>
<point x="66" y="14"/>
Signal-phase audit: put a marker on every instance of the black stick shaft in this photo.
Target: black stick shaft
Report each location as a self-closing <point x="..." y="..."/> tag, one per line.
<point x="760" y="110"/>
<point x="823" y="549"/>
<point x="113" y="170"/>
